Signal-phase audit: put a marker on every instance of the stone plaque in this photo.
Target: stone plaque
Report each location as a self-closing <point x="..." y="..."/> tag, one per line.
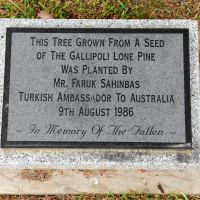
<point x="96" y="88"/>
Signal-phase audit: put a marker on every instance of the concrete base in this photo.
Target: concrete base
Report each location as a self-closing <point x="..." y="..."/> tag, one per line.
<point x="98" y="181"/>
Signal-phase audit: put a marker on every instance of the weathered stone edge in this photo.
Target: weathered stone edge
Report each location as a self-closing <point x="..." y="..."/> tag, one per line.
<point x="97" y="158"/>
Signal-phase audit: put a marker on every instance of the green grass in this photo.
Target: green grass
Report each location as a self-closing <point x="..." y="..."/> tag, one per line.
<point x="123" y="196"/>
<point x="102" y="9"/>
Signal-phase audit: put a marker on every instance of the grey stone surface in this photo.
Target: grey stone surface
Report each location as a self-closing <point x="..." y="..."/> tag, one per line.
<point x="160" y="119"/>
<point x="109" y="158"/>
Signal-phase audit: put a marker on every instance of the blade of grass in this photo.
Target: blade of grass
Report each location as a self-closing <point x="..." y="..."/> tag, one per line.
<point x="43" y="6"/>
<point x="16" y="5"/>
<point x="122" y="4"/>
<point x="185" y="197"/>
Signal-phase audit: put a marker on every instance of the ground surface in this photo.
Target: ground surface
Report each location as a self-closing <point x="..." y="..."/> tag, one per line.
<point x="101" y="9"/>
<point x="131" y="196"/>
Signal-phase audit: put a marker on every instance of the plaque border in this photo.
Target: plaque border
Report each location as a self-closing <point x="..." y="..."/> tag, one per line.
<point x="71" y="144"/>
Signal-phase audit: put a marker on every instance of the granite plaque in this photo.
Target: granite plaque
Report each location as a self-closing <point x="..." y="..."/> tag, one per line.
<point x="91" y="87"/>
